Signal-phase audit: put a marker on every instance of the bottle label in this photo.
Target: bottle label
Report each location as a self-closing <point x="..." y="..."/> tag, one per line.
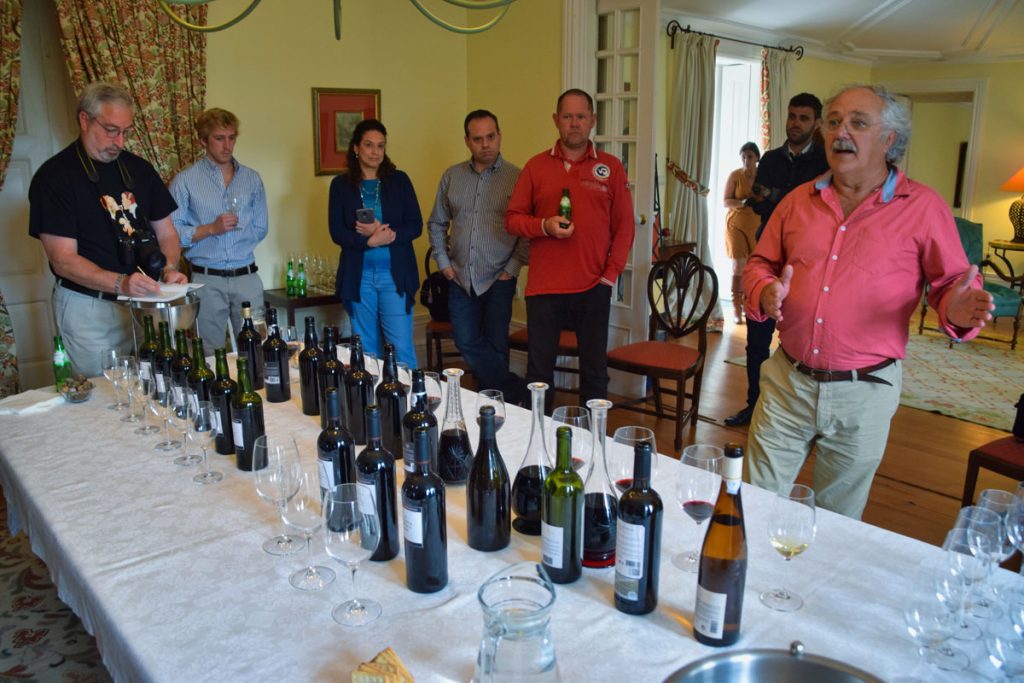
<point x="237" y="432"/>
<point x="733" y="487"/>
<point x="366" y="494"/>
<point x="709" y="614"/>
<point x="161" y="387"/>
<point x="193" y="401"/>
<point x="146" y="370"/>
<point x="629" y="551"/>
<point x="272" y="374"/>
<point x="327" y="482"/>
<point x="552" y="540"/>
<point x="412" y="524"/>
<point x="59" y="358"/>
<point x="179" y="396"/>
<point x="218" y="424"/>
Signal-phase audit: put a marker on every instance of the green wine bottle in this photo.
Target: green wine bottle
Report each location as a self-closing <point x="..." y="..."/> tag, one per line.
<point x="200" y="377"/>
<point x="562" y="515"/>
<point x="246" y="417"/>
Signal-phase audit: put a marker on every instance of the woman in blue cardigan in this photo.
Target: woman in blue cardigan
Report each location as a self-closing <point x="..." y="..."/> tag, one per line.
<point x="377" y="275"/>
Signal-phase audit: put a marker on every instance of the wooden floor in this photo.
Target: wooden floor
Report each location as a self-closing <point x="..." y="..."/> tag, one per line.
<point x="918" y="487"/>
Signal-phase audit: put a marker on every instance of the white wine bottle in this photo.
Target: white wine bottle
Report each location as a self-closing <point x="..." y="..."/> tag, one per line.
<point x="723" y="561"/>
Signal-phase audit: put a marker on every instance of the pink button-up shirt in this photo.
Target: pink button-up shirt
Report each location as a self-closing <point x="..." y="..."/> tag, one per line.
<point x="857" y="280"/>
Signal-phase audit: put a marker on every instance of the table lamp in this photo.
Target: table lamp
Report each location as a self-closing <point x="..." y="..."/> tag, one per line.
<point x="1016" y="184"/>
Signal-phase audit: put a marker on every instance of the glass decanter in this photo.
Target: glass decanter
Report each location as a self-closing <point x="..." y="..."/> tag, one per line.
<point x="529" y="482"/>
<point x="454" y="452"/>
<point x="599" y="498"/>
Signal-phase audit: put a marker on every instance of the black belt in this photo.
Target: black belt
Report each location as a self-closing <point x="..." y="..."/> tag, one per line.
<point x="861" y="375"/>
<point x="75" y="287"/>
<point x="244" y="270"/>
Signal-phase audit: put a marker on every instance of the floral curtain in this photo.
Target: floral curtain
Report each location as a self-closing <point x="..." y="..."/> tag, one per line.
<point x="775" y="68"/>
<point x="134" y="44"/>
<point x="10" y="74"/>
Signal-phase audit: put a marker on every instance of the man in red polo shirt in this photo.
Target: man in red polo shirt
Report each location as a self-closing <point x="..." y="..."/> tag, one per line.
<point x="573" y="264"/>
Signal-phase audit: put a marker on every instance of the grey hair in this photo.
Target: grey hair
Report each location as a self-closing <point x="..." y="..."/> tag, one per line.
<point x="895" y="119"/>
<point x="95" y="95"/>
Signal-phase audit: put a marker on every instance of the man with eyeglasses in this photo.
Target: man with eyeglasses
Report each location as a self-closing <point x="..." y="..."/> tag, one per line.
<point x="103" y="216"/>
<point x="841" y="266"/>
<point x="221" y="217"/>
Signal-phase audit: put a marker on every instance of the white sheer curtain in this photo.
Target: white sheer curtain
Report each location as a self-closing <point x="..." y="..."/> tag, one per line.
<point x="775" y="69"/>
<point x="691" y="125"/>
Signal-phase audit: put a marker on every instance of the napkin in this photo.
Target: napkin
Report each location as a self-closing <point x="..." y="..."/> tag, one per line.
<point x="30" y="402"/>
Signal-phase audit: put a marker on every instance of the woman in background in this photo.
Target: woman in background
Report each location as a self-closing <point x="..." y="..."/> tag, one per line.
<point x="377" y="275"/>
<point x="741" y="223"/>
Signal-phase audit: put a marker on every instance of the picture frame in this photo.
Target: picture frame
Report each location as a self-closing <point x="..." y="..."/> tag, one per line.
<point x="336" y="111"/>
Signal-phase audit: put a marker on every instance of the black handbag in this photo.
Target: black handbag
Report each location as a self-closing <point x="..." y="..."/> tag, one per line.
<point x="434" y="293"/>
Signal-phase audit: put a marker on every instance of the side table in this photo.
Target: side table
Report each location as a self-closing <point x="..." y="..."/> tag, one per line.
<point x="278" y="298"/>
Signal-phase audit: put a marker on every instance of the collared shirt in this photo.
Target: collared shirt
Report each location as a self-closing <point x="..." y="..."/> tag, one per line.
<point x="857" y="280"/>
<point x="602" y="212"/>
<point x="474" y="204"/>
<point x="200" y="193"/>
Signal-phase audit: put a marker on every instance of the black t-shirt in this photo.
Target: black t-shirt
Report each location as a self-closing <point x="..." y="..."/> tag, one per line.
<point x="64" y="202"/>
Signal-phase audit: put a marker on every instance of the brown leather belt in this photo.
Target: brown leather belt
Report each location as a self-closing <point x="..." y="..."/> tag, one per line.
<point x="237" y="272"/>
<point x="861" y="375"/>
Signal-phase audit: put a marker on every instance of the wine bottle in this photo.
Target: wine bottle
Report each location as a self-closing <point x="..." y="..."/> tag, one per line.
<point x="723" y="560"/>
<point x="562" y="515"/>
<point x="276" y="373"/>
<point x="565" y="206"/>
<point x="61" y="363"/>
<point x="488" y="492"/>
<point x="332" y="374"/>
<point x="200" y="377"/>
<point x="358" y="392"/>
<point x="528" y="486"/>
<point x="147" y="354"/>
<point x="375" y="473"/>
<point x="638" y="539"/>
<point x="249" y="347"/>
<point x="423" y="522"/>
<point x="162" y="366"/>
<point x="392" y="402"/>
<point x="419" y="416"/>
<point x="309" y="370"/>
<point x="454" y="452"/>
<point x="246" y="417"/>
<point x="222" y="393"/>
<point x="335" y="448"/>
<point x="180" y="367"/>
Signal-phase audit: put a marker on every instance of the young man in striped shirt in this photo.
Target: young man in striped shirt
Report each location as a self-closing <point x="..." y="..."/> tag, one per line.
<point x="221" y="217"/>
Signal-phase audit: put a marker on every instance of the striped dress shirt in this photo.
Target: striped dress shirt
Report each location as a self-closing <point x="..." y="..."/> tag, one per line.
<point x="474" y="204"/>
<point x="201" y="196"/>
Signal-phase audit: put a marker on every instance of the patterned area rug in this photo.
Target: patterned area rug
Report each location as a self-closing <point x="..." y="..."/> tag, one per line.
<point x="41" y="639"/>
<point x="974" y="381"/>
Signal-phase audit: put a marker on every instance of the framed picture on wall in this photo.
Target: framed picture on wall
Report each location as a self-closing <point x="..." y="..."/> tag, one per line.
<point x="336" y="112"/>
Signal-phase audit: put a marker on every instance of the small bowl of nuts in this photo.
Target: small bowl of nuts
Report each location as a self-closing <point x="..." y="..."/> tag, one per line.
<point x="77" y="389"/>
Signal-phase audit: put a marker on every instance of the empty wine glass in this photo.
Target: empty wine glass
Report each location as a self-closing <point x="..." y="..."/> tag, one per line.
<point x="138" y="387"/>
<point x="432" y="382"/>
<point x="131" y="371"/>
<point x="164" y="406"/>
<point x="113" y="370"/>
<point x="351" y="535"/>
<point x="202" y="430"/>
<point x="957" y="575"/>
<point x="986" y="543"/>
<point x="698" y="480"/>
<point x="578" y="419"/>
<point x="791" y="528"/>
<point x="277" y="470"/>
<point x="232" y="202"/>
<point x="620" y="456"/>
<point x="931" y="624"/>
<point x="304" y="513"/>
<point x="372" y="366"/>
<point x="404" y="375"/>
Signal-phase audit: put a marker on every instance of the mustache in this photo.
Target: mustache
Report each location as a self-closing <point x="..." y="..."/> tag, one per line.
<point x="844" y="146"/>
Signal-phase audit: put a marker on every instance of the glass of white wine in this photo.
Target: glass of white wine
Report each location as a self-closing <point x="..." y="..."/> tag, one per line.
<point x="791" y="528"/>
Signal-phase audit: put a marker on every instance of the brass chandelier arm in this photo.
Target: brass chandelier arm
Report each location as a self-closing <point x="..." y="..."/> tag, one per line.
<point x="467" y="4"/>
<point x="205" y="29"/>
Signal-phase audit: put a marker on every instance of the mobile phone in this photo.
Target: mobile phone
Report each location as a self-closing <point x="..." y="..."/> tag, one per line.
<point x="364" y="215"/>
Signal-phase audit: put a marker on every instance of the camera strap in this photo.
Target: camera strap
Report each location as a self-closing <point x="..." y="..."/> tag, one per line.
<point x="123" y="212"/>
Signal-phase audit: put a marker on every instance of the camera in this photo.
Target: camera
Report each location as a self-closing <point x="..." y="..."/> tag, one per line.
<point x="141" y="249"/>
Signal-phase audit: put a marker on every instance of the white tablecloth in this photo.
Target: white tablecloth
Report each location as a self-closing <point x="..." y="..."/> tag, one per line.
<point x="170" y="578"/>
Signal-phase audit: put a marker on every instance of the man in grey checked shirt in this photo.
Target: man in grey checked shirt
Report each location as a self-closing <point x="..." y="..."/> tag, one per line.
<point x="221" y="217"/>
<point x="479" y="258"/>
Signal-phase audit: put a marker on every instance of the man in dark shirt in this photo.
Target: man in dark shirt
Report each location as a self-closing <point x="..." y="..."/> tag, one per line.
<point x="781" y="169"/>
<point x="86" y="202"/>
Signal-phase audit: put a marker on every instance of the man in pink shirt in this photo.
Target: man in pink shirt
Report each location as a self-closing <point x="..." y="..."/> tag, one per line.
<point x="841" y="267"/>
<point x="574" y="263"/>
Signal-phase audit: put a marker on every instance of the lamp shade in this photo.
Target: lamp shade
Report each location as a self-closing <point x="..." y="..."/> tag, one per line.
<point x="1015" y="183"/>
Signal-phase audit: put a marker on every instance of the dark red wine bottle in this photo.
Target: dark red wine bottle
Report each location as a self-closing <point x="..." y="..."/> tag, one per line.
<point x="309" y="370"/>
<point x="162" y="366"/>
<point x="419" y="416"/>
<point x="392" y="401"/>
<point x="488" y="492"/>
<point x="246" y="418"/>
<point x="276" y="371"/>
<point x="358" y="393"/>
<point x="222" y="392"/>
<point x="375" y="473"/>
<point x="200" y="377"/>
<point x="638" y="540"/>
<point x="332" y="374"/>
<point x="423" y="522"/>
<point x="249" y="347"/>
<point x="180" y="367"/>
<point x="147" y="355"/>
<point x="335" y="448"/>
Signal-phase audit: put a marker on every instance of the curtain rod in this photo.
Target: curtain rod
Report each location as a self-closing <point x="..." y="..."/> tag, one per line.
<point x="675" y="27"/>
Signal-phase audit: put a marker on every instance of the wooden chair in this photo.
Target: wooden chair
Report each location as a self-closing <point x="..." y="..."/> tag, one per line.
<point x="567" y="347"/>
<point x="1003" y="456"/>
<point x="682" y="293"/>
<point x="436" y="333"/>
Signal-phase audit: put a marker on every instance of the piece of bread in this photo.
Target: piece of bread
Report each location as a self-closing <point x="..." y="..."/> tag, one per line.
<point x="386" y="667"/>
<point x="387" y="659"/>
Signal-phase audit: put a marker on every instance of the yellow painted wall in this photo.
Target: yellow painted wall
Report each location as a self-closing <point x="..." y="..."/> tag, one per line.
<point x="822" y="77"/>
<point x="938" y="128"/>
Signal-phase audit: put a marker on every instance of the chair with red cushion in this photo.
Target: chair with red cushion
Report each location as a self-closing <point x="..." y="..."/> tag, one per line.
<point x="682" y="293"/>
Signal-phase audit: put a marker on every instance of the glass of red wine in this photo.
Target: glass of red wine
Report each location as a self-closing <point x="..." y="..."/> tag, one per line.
<point x="433" y="383"/>
<point x="697" y="484"/>
<point x="495" y="399"/>
<point x="621" y="451"/>
<point x="578" y="418"/>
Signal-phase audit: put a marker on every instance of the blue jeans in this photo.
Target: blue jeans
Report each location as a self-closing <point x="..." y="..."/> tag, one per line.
<point x="382" y="307"/>
<point x="480" y="327"/>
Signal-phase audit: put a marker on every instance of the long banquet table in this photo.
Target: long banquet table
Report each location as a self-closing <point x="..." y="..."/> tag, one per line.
<point x="170" y="577"/>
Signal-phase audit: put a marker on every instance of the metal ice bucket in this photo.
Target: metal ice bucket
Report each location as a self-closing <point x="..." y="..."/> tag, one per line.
<point x="179" y="314"/>
<point x="753" y="666"/>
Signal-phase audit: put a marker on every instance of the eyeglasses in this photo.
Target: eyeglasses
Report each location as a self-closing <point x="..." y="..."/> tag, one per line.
<point x="855" y="123"/>
<point x="113" y="132"/>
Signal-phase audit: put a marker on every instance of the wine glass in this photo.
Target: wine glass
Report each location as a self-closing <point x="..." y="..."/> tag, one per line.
<point x="495" y="399"/>
<point x="957" y="574"/>
<point x="232" y="202"/>
<point x="372" y="366"/>
<point x="113" y="370"/>
<point x="620" y="464"/>
<point x="1006" y="650"/>
<point x="432" y="381"/>
<point x="304" y="513"/>
<point x="202" y="430"/>
<point x="277" y="468"/>
<point x="131" y="371"/>
<point x="699" y="478"/>
<point x="164" y="407"/>
<point x="351" y="535"/>
<point x="931" y="624"/>
<point x="578" y="419"/>
<point x="985" y="540"/>
<point x="404" y="375"/>
<point x="137" y="387"/>
<point x="791" y="528"/>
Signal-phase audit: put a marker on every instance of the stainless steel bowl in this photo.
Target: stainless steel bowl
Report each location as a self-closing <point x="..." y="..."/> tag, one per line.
<point x="180" y="314"/>
<point x="758" y="666"/>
